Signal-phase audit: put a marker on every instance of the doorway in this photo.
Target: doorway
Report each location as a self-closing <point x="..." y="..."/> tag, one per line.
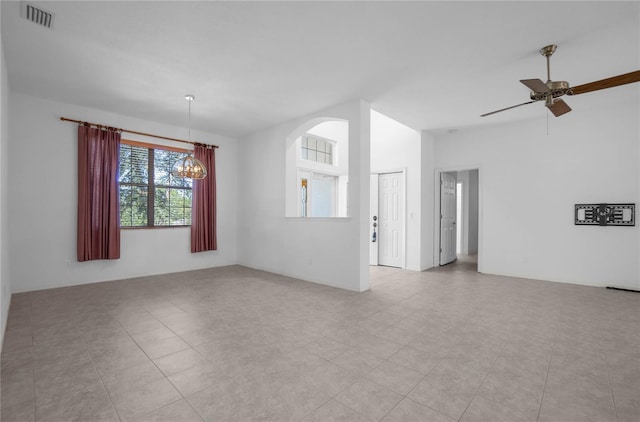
<point x="448" y="220"/>
<point x="387" y="220"/>
<point x="458" y="202"/>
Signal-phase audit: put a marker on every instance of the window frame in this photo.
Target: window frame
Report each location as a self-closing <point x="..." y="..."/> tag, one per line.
<point x="151" y="185"/>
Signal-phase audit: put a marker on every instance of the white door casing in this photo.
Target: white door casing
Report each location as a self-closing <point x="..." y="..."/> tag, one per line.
<point x="391" y="220"/>
<point x="447" y="218"/>
<point x="373" y="245"/>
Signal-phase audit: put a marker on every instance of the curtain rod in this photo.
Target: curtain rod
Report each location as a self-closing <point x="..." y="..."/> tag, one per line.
<point x="135" y="132"/>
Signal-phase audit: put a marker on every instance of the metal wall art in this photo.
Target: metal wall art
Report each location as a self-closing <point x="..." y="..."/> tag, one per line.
<point x="605" y="215"/>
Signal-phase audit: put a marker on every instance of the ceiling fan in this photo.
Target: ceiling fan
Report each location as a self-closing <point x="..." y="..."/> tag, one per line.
<point x="551" y="91"/>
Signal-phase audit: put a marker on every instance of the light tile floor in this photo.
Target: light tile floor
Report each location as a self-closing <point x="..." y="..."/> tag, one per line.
<point x="233" y="343"/>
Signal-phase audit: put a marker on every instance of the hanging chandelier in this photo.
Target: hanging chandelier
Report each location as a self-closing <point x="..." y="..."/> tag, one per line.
<point x="189" y="166"/>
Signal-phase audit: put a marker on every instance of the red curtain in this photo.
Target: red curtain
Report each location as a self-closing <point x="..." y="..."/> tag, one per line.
<point x="203" y="214"/>
<point x="98" y="197"/>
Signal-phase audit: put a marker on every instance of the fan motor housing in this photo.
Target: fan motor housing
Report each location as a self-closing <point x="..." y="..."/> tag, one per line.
<point x="556" y="89"/>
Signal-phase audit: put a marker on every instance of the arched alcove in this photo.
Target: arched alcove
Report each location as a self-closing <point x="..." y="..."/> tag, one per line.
<point x="317" y="169"/>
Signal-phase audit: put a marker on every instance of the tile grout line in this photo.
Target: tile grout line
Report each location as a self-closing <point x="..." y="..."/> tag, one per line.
<point x="33" y="362"/>
<point x="483" y="379"/>
<point x="384" y="386"/>
<point x="182" y="397"/>
<point x="207" y="359"/>
<point x="360" y="375"/>
<point x="414" y="387"/>
<point x="546" y="378"/>
<point x="613" y="400"/>
<point x="314" y="410"/>
<point x="404" y="396"/>
<point x="166" y="377"/>
<point x="95" y="368"/>
<point x="123" y="369"/>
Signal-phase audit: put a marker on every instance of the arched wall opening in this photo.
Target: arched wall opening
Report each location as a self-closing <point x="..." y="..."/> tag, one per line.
<point x="317" y="169"/>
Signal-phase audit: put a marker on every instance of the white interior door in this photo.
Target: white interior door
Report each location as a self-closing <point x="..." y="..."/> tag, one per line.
<point x="373" y="219"/>
<point x="391" y="220"/>
<point x="447" y="218"/>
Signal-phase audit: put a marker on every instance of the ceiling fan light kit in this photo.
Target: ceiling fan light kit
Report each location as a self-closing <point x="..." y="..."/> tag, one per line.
<point x="551" y="91"/>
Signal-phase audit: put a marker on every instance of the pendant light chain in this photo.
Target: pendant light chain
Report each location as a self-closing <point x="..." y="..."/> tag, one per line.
<point x="189" y="167"/>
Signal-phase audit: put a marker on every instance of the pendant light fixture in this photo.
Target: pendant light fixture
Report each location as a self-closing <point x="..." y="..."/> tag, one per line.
<point x="189" y="167"/>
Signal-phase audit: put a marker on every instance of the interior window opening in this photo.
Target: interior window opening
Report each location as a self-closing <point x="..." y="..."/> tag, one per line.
<point x="317" y="171"/>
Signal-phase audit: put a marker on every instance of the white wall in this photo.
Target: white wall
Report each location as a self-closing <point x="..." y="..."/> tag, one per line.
<point x="530" y="182"/>
<point x="396" y="147"/>
<point x="5" y="284"/>
<point x="331" y="251"/>
<point x="42" y="203"/>
<point x="427" y="195"/>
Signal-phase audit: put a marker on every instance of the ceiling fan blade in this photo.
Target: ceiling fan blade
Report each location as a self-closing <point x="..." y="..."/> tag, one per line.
<point x="504" y="109"/>
<point x="536" y="85"/>
<point x="559" y="107"/>
<point x="624" y="79"/>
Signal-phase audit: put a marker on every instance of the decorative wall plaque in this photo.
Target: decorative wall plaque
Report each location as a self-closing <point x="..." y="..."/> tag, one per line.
<point x="605" y="215"/>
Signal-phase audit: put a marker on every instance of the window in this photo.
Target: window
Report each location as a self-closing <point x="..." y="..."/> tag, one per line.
<point x="149" y="195"/>
<point x="315" y="148"/>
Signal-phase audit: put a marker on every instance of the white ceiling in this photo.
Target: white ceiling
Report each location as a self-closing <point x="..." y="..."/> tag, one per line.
<point x="251" y="65"/>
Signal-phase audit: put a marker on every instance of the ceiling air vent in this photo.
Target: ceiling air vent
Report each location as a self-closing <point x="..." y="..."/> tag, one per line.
<point x="36" y="15"/>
